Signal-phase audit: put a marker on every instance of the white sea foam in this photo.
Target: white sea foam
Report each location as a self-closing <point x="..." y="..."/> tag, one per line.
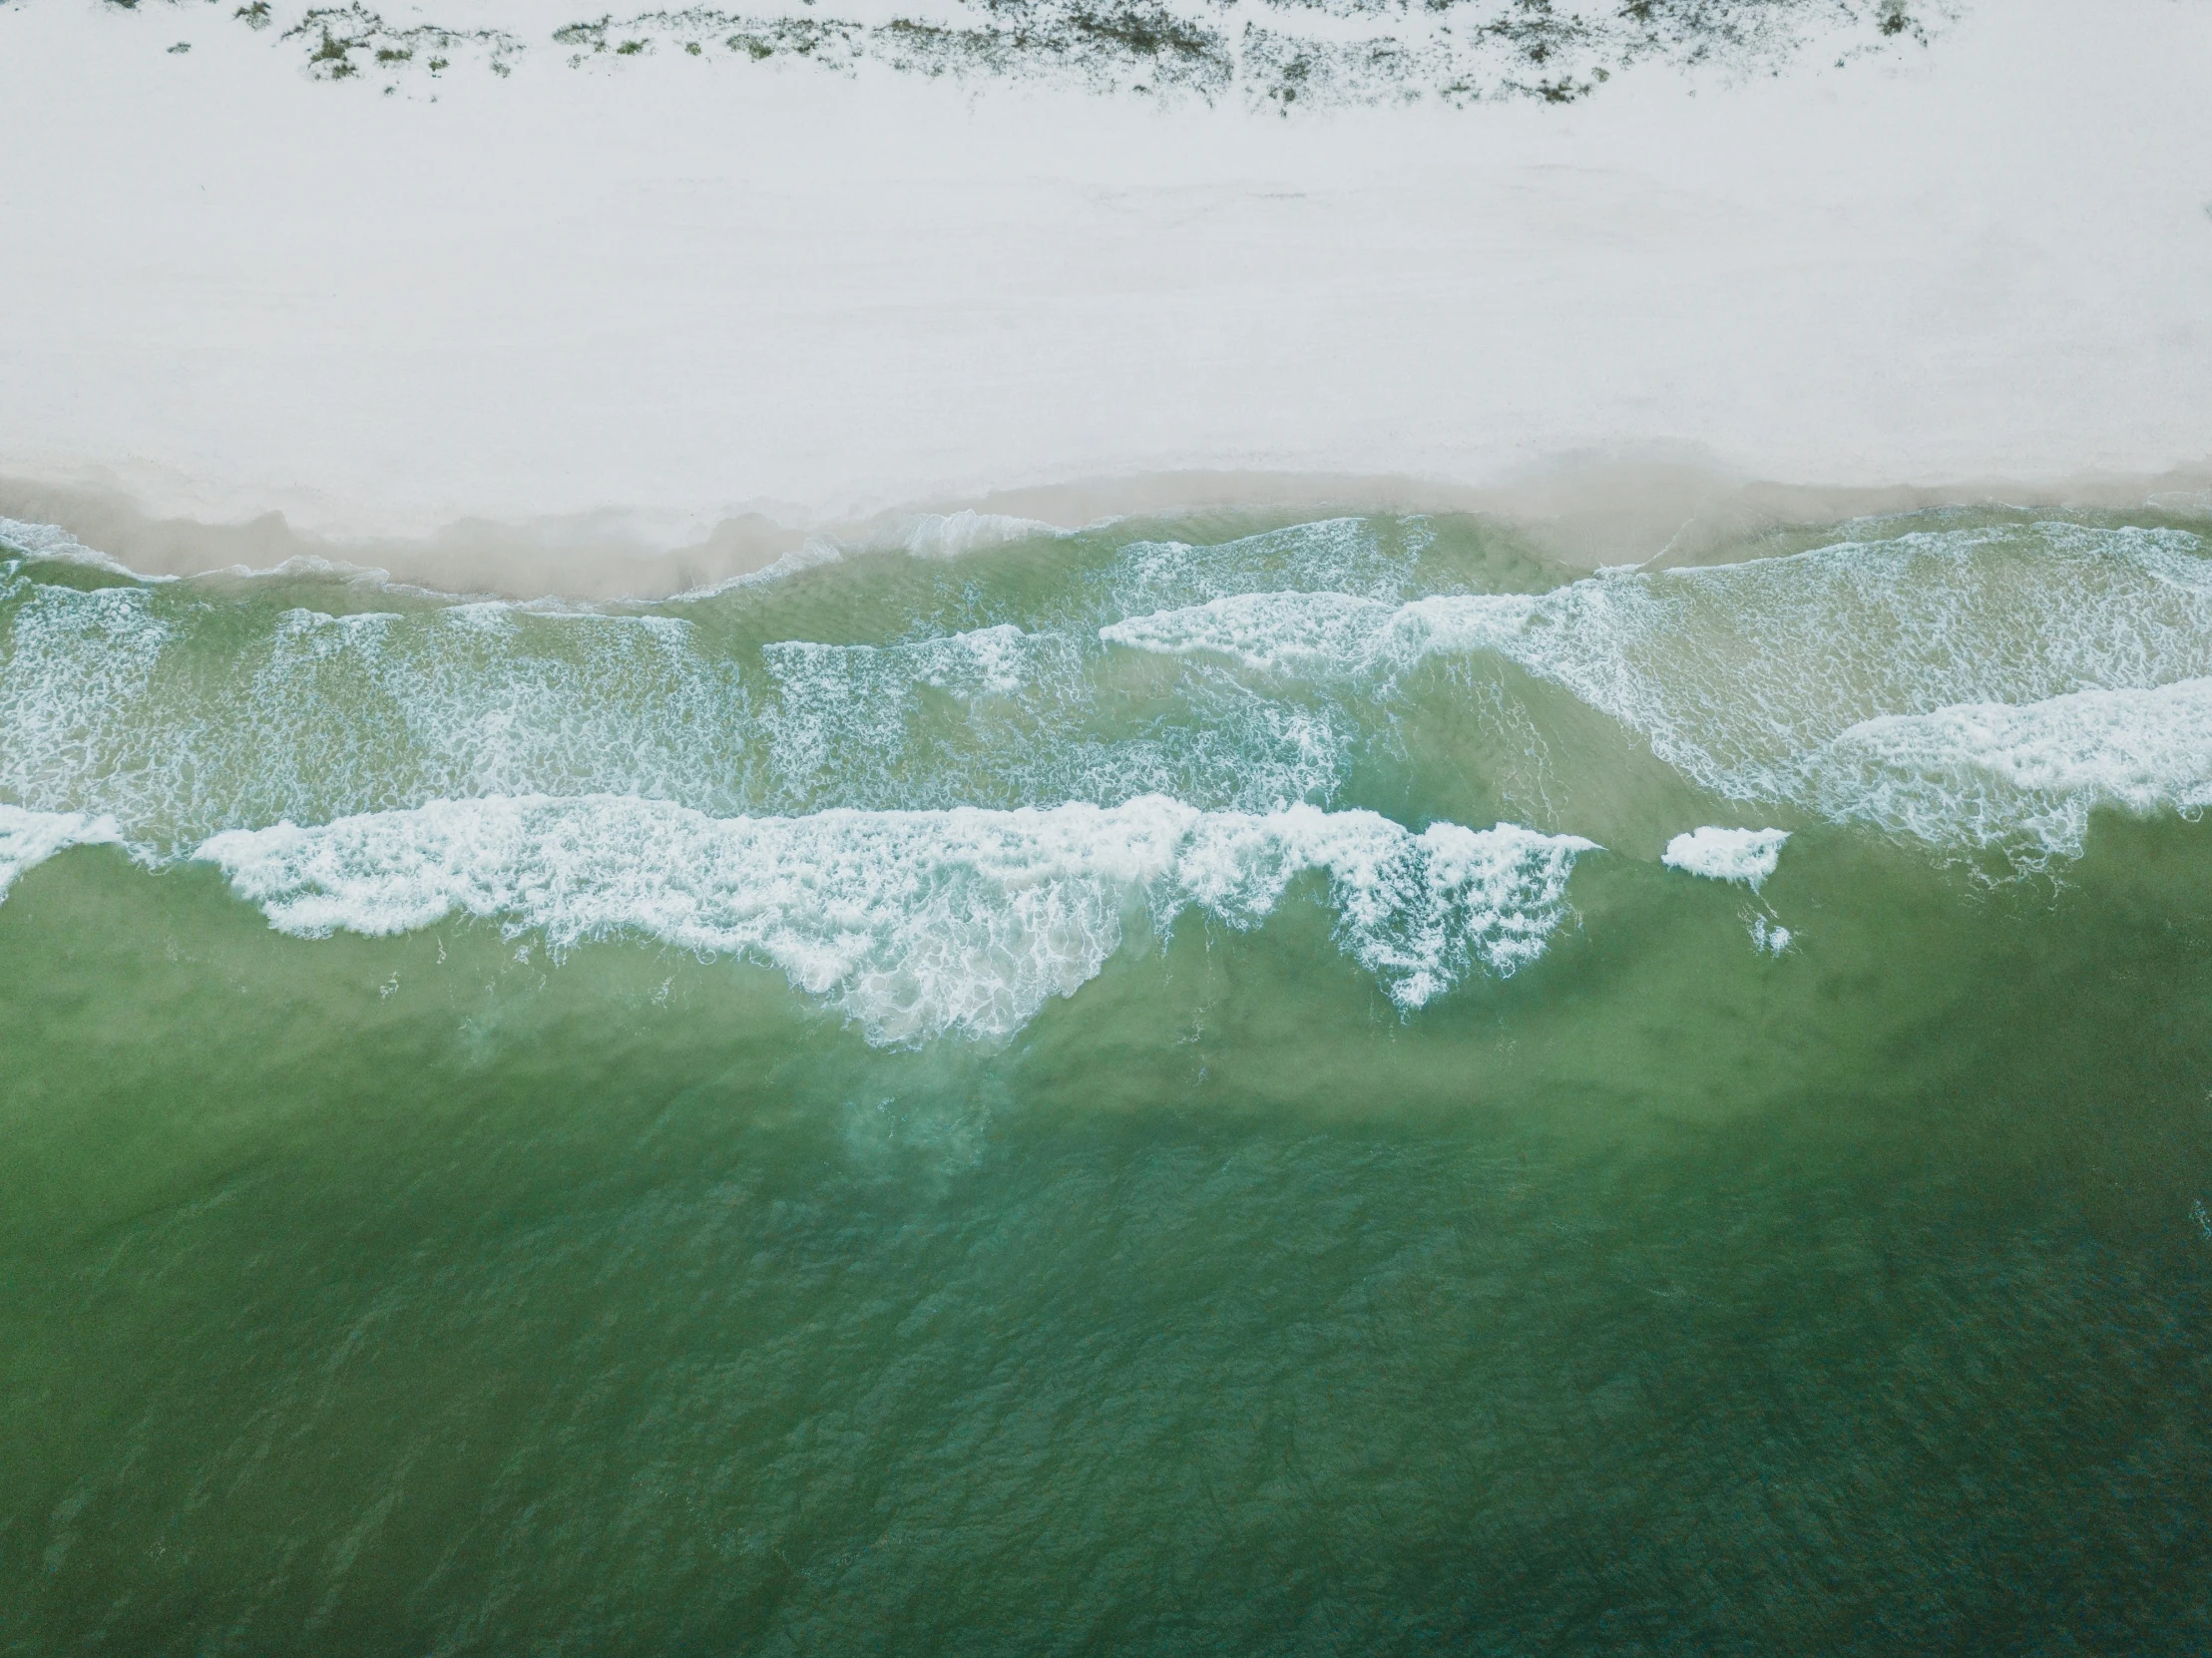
<point x="75" y="671"/>
<point x="859" y="721"/>
<point x="989" y="662"/>
<point x="1738" y="674"/>
<point x="1328" y="635"/>
<point x="1746" y="854"/>
<point x="261" y="716"/>
<point x="182" y="710"/>
<point x="307" y="715"/>
<point x="1982" y="773"/>
<point x="51" y="541"/>
<point x="950" y="535"/>
<point x="916" y="923"/>
<point x="1318" y="634"/>
<point x="1000" y="716"/>
<point x="1746" y="677"/>
<point x="1341" y="555"/>
<point x="30" y="838"/>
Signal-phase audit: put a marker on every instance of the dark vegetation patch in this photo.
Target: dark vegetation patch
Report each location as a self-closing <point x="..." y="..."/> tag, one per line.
<point x="1306" y="53"/>
<point x="342" y="39"/>
<point x="1101" y="43"/>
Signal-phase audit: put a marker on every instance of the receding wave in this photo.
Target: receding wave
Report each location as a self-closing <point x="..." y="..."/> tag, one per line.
<point x="188" y="708"/>
<point x="1800" y="679"/>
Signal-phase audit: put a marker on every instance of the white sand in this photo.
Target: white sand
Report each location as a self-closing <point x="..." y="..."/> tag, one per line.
<point x="687" y="291"/>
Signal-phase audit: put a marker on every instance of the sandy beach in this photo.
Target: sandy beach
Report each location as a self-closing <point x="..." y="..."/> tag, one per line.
<point x="635" y="324"/>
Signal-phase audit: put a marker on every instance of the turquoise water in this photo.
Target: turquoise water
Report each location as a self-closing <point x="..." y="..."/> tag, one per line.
<point x="1151" y="1090"/>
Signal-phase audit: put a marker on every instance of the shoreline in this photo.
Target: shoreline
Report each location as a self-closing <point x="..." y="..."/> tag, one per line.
<point x="665" y="326"/>
<point x="1584" y="514"/>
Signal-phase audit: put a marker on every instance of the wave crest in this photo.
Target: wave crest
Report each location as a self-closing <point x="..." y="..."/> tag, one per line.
<point x="915" y="924"/>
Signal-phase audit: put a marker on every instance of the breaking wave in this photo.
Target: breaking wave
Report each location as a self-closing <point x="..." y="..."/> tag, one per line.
<point x="1986" y="774"/>
<point x="915" y="924"/>
<point x="932" y="790"/>
<point x="30" y="838"/>
<point x="1924" y="685"/>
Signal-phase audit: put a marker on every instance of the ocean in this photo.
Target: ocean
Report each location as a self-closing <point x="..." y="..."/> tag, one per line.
<point x="1221" y="1084"/>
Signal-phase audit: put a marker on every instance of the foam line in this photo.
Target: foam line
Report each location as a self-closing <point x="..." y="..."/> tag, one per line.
<point x="1745" y="855"/>
<point x="30" y="838"/>
<point x="1982" y="772"/>
<point x="190" y="708"/>
<point x="51" y="541"/>
<point x="915" y="924"/>
<point x="186" y="709"/>
<point x="1785" y="680"/>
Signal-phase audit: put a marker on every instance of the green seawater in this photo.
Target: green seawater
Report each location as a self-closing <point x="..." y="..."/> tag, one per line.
<point x="424" y="1233"/>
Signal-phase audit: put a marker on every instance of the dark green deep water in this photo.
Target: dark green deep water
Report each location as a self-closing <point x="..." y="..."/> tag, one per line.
<point x="452" y="1291"/>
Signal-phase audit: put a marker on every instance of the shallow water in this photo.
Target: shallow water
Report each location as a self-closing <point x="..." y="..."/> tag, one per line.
<point x="677" y="1195"/>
